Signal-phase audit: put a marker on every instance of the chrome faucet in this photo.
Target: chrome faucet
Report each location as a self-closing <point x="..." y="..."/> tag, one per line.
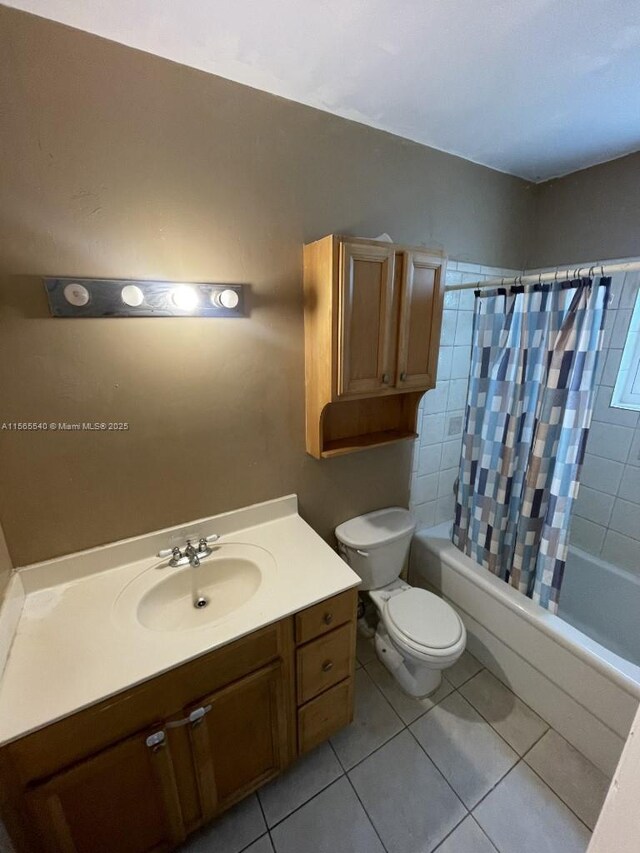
<point x="190" y="555"/>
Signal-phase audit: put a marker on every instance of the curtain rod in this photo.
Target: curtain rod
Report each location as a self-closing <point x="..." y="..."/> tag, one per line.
<point x="556" y="275"/>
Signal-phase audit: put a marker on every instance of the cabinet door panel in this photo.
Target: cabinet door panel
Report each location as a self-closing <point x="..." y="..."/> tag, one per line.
<point x="122" y="799"/>
<point x="365" y="319"/>
<point x="242" y="741"/>
<point x="420" y="319"/>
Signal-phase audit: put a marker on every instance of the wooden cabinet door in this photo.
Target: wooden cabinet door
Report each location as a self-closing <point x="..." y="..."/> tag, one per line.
<point x="365" y="319"/>
<point x="420" y="319"/>
<point x="241" y="740"/>
<point x="122" y="799"/>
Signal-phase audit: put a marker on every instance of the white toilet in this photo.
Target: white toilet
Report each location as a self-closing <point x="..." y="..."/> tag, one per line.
<point x="418" y="634"/>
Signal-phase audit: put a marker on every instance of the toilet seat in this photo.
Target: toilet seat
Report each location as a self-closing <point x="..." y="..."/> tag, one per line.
<point x="426" y="626"/>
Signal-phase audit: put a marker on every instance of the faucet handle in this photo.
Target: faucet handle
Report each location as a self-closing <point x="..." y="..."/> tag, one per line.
<point x="170" y="552"/>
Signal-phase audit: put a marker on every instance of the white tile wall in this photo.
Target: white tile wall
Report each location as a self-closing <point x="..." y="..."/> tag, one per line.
<point x="437" y="451"/>
<point x="606" y="518"/>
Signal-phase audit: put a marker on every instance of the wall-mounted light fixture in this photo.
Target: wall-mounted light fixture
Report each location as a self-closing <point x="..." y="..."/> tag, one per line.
<point x="98" y="297"/>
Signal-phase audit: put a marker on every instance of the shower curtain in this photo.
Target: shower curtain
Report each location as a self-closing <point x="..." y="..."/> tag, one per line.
<point x="529" y="405"/>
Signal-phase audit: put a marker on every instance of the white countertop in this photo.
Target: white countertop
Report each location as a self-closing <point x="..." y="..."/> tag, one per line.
<point x="72" y="649"/>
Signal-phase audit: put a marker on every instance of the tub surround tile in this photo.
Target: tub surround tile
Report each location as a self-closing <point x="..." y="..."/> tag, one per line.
<point x="429" y="459"/>
<point x="464" y="669"/>
<point x="232" y="832"/>
<point x="522" y="814"/>
<point x="634" y="451"/>
<point x="444" y="509"/>
<point x="594" y="505"/>
<point x="433" y="429"/>
<point x="435" y="400"/>
<point x="621" y="551"/>
<point x="448" y="331"/>
<point x="451" y="454"/>
<point x="468" y="837"/>
<point x="610" y="362"/>
<point x="605" y="412"/>
<point x="454" y="425"/>
<point x="629" y="293"/>
<point x="578" y="782"/>
<point x="621" y="324"/>
<point x="445" y="357"/>
<point x="425" y="514"/>
<point x="426" y="488"/>
<point x="333" y="821"/>
<point x="408" y="708"/>
<point x="514" y="721"/>
<point x="587" y="535"/>
<point x="630" y="485"/>
<point x="464" y="747"/>
<point x="446" y="479"/>
<point x="601" y="474"/>
<point x="461" y="362"/>
<point x="407" y="799"/>
<point x="464" y="327"/>
<point x="374" y="723"/>
<point x="457" y="394"/>
<point x="610" y="441"/>
<point x="626" y="518"/>
<point x="302" y="781"/>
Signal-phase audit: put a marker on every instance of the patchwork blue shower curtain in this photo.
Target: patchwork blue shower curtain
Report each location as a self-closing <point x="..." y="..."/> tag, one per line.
<point x="529" y="405"/>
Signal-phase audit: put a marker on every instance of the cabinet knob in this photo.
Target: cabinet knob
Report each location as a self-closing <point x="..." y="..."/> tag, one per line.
<point x="327" y="666"/>
<point x="328" y="618"/>
<point x="385" y="378"/>
<point x="403" y="376"/>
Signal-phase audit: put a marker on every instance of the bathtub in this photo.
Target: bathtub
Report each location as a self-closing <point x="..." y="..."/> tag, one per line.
<point x="579" y="669"/>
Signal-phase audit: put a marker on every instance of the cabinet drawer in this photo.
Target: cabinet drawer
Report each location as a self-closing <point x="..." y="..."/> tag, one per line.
<point x="325" y="616"/>
<point x="324" y="662"/>
<point x="325" y="715"/>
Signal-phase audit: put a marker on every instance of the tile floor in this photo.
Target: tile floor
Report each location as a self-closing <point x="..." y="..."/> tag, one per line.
<point x="471" y="769"/>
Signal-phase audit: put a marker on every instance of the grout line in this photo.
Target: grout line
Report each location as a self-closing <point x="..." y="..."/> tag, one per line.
<point x="553" y="791"/>
<point x="486" y="835"/>
<point x="369" y="818"/>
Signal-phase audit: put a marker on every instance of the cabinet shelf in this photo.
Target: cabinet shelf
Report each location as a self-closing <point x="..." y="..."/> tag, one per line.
<point x="351" y="444"/>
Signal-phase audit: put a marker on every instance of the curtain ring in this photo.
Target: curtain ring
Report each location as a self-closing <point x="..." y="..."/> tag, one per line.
<point x="601" y="271"/>
<point x="555" y="277"/>
<point x="539" y="279"/>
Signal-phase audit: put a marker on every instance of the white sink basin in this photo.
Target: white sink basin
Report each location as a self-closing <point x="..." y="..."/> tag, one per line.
<point x="162" y="599"/>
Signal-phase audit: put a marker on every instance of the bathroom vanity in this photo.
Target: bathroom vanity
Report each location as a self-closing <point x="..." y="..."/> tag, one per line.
<point x="139" y="768"/>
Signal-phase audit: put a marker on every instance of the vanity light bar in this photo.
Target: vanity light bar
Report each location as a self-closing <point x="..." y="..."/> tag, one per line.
<point x="111" y="297"/>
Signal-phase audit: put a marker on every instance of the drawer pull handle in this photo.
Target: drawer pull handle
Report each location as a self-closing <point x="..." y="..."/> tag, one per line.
<point x="328" y="618"/>
<point x="195" y="718"/>
<point x="327" y="666"/>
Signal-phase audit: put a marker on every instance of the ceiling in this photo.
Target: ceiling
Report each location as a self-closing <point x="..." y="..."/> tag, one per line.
<point x="535" y="88"/>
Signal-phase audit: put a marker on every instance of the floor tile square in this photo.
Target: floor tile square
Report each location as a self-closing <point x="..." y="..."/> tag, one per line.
<point x="332" y="822"/>
<point x="231" y="832"/>
<point x="374" y="722"/>
<point x="463" y="669"/>
<point x="303" y="780"/>
<point x="407" y="707"/>
<point x="522" y="814"/>
<point x="467" y="838"/>
<point x="578" y="782"/>
<point x="406" y="798"/>
<point x="510" y="717"/>
<point x="365" y="650"/>
<point x="464" y="748"/>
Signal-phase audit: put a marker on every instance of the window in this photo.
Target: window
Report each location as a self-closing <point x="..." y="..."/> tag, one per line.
<point x="626" y="394"/>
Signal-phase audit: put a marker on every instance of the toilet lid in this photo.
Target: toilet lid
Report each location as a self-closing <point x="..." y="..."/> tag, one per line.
<point x="424" y="619"/>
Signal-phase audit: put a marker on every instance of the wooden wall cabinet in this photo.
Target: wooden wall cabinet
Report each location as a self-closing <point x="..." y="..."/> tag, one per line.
<point x="373" y="312"/>
<point x="140" y="771"/>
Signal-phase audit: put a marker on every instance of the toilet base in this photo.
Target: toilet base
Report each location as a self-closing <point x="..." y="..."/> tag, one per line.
<point x="415" y="678"/>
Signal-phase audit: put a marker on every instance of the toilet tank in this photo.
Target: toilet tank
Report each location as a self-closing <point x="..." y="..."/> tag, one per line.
<point x="376" y="545"/>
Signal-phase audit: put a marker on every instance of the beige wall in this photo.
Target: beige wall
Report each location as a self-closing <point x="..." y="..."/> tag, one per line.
<point x="116" y="163"/>
<point x="590" y="214"/>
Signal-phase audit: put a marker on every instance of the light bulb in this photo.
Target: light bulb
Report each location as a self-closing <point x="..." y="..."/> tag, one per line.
<point x="76" y="294"/>
<point x="185" y="298"/>
<point x="225" y="298"/>
<point x="132" y="296"/>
